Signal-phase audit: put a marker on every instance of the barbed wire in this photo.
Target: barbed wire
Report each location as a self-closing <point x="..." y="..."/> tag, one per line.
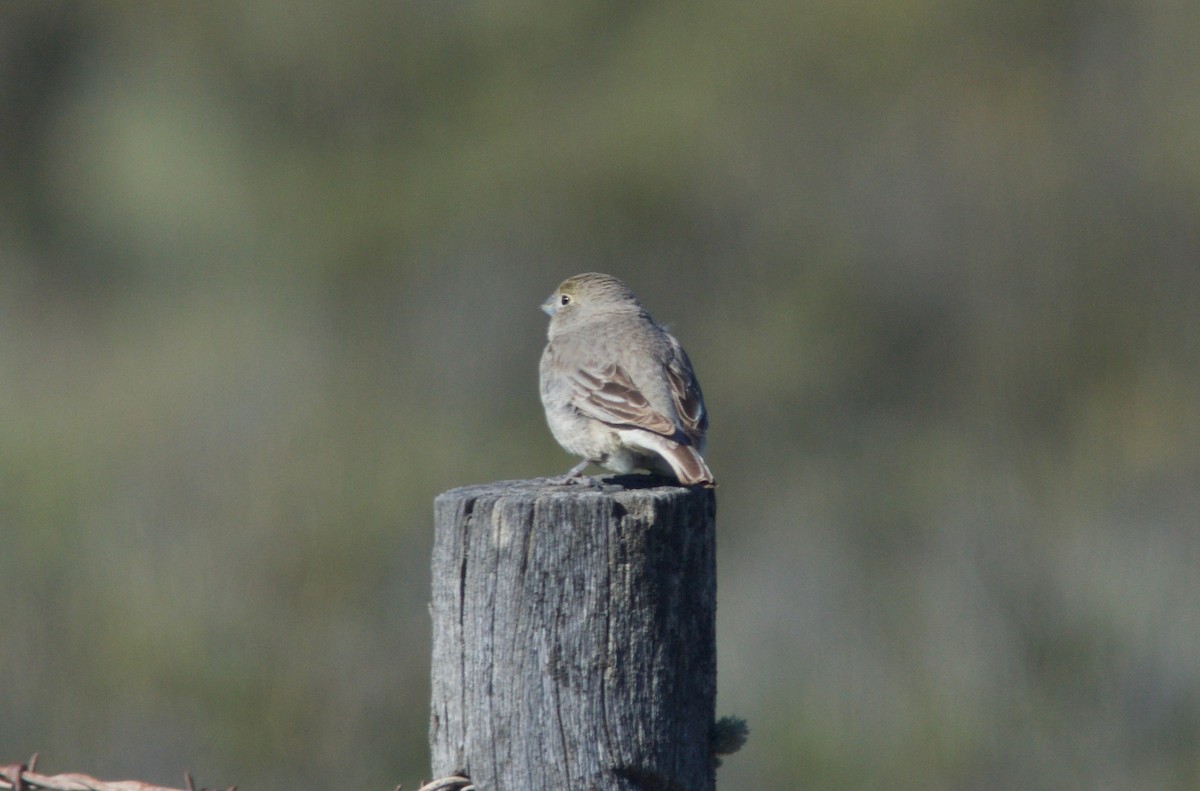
<point x="455" y="783"/>
<point x="22" y="777"/>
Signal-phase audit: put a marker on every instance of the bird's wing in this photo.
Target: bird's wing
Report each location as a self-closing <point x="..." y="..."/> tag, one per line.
<point x="685" y="392"/>
<point x="610" y="396"/>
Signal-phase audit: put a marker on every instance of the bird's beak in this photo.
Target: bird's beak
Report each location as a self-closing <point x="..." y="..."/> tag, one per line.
<point x="550" y="305"/>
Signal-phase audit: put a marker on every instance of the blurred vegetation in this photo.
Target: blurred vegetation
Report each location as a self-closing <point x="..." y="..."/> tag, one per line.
<point x="269" y="277"/>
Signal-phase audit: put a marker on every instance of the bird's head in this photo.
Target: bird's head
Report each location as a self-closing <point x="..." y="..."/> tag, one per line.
<point x="590" y="292"/>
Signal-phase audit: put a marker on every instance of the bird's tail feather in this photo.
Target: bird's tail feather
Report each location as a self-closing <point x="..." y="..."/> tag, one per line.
<point x="689" y="466"/>
<point x="684" y="461"/>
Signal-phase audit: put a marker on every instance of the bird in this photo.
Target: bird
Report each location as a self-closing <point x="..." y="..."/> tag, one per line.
<point x="618" y="389"/>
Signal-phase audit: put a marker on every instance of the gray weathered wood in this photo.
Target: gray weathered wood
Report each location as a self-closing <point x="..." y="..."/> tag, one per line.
<point x="573" y="636"/>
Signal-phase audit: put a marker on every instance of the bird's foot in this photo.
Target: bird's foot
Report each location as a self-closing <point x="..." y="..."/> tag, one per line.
<point x="575" y="476"/>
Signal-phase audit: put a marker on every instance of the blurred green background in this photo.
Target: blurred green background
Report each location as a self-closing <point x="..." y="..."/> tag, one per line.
<point x="269" y="278"/>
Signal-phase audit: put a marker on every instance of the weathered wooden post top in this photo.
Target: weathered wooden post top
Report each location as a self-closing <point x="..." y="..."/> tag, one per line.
<point x="573" y="636"/>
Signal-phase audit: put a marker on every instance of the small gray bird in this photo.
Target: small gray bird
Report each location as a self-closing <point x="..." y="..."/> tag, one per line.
<point x="618" y="388"/>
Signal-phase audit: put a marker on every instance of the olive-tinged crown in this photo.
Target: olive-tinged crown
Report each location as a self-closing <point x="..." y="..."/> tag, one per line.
<point x="591" y="288"/>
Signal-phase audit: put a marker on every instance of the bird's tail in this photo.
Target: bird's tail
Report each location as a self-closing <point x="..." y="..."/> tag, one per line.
<point x="689" y="467"/>
<point x="685" y="462"/>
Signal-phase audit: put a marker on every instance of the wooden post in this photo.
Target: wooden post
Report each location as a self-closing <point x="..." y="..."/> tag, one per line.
<point x="574" y="636"/>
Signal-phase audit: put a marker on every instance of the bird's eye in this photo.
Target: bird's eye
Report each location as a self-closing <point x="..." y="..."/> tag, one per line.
<point x="565" y="299"/>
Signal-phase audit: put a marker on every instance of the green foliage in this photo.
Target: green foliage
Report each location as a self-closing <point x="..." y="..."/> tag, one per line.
<point x="729" y="735"/>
